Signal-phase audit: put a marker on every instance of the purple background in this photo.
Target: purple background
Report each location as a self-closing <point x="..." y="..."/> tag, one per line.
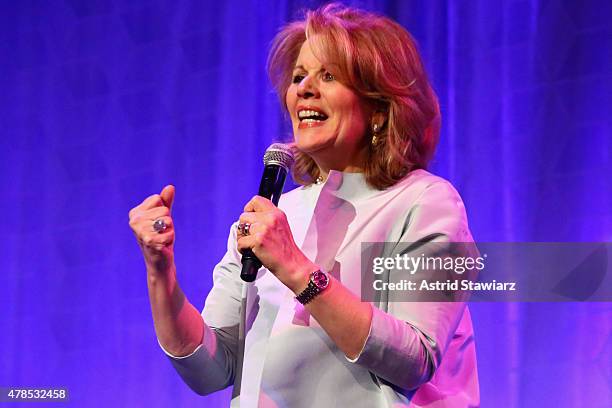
<point x="104" y="102"/>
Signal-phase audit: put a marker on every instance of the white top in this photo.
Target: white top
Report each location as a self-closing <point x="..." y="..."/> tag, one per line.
<point x="289" y="361"/>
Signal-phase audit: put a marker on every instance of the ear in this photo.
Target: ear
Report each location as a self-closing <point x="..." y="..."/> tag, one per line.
<point x="378" y="118"/>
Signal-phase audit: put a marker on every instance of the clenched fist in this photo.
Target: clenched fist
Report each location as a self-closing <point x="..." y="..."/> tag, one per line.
<point x="157" y="247"/>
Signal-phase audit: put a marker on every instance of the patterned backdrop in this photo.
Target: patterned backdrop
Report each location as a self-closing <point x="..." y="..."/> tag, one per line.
<point x="104" y="102"/>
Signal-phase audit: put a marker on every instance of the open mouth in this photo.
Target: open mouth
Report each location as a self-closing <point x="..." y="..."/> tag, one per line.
<point x="311" y="116"/>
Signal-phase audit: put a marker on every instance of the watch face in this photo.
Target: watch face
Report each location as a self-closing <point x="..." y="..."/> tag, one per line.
<point x="320" y="279"/>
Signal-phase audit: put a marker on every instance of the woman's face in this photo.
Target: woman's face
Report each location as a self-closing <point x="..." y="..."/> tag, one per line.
<point x="329" y="119"/>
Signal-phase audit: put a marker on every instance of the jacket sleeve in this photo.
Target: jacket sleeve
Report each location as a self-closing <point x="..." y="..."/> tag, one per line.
<point x="212" y="366"/>
<point x="407" y="339"/>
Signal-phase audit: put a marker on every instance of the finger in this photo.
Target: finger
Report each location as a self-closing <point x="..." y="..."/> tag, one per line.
<point x="167" y="195"/>
<point x="156" y="241"/>
<point x="167" y="221"/>
<point x="137" y="214"/>
<point x="254" y="228"/>
<point x="151" y="202"/>
<point x="144" y="227"/>
<point x="246" y="242"/>
<point x="258" y="203"/>
<point x="249" y="217"/>
<point x="155" y="213"/>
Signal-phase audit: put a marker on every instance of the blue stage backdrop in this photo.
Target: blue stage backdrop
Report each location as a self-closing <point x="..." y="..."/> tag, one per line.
<point x="104" y="102"/>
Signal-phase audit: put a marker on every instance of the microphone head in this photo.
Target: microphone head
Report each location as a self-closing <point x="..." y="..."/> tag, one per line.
<point x="279" y="154"/>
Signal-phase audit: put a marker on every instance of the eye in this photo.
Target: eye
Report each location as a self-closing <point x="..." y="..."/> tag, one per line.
<point x="328" y="76"/>
<point x="297" y="78"/>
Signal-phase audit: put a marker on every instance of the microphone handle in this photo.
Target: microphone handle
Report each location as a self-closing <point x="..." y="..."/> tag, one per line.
<point x="250" y="266"/>
<point x="272" y="182"/>
<point x="270" y="187"/>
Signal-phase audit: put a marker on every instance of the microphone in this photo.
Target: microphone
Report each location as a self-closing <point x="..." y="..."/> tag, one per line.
<point x="278" y="160"/>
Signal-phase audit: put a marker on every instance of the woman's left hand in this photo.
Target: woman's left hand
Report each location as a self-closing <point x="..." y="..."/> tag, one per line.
<point x="271" y="240"/>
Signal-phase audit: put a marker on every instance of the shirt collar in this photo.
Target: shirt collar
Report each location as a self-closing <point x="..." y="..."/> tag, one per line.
<point x="347" y="185"/>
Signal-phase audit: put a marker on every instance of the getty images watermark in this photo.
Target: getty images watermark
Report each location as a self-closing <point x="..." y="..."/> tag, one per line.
<point x="492" y="272"/>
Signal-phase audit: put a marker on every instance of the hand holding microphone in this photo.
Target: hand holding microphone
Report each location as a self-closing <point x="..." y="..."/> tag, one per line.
<point x="263" y="231"/>
<point x="278" y="159"/>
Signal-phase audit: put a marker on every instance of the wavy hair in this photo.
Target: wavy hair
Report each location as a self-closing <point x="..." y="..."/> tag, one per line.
<point x="379" y="61"/>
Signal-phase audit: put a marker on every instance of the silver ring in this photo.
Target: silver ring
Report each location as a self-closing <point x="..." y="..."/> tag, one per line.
<point x="159" y="225"/>
<point x="244" y="228"/>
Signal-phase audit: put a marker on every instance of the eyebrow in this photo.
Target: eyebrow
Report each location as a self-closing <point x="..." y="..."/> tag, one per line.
<point x="304" y="69"/>
<point x="323" y="67"/>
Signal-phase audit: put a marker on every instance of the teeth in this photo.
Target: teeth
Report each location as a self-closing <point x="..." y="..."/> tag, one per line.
<point x="308" y="113"/>
<point x="309" y="120"/>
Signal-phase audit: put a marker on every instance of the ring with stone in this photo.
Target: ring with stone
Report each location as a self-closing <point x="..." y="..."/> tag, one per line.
<point x="159" y="225"/>
<point x="244" y="228"/>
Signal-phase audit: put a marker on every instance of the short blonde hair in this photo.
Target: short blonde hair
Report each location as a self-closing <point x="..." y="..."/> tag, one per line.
<point x="379" y="61"/>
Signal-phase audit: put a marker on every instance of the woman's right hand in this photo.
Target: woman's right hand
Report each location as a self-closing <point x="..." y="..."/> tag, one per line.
<point x="178" y="325"/>
<point x="157" y="247"/>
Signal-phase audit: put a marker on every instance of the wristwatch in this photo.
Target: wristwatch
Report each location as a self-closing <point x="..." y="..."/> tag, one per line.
<point x="318" y="282"/>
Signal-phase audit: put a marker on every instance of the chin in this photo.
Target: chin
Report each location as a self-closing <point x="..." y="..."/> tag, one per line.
<point x="313" y="142"/>
<point x="311" y="146"/>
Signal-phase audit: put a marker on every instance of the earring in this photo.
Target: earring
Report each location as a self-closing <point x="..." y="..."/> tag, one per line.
<point x="375" y="129"/>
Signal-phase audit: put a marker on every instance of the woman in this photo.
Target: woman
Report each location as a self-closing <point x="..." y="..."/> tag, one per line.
<point x="365" y="125"/>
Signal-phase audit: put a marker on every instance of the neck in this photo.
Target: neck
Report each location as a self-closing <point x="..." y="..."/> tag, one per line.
<point x="339" y="163"/>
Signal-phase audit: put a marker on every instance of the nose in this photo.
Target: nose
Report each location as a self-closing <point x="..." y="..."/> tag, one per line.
<point x="308" y="88"/>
